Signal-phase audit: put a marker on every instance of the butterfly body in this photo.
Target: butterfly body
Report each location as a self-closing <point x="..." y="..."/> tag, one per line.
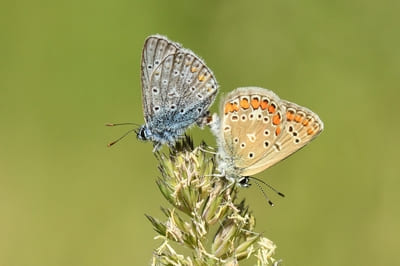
<point x="177" y="90"/>
<point x="256" y="129"/>
<point x="168" y="126"/>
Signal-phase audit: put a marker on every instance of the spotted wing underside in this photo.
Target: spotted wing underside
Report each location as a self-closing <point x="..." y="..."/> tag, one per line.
<point x="258" y="129"/>
<point x="177" y="87"/>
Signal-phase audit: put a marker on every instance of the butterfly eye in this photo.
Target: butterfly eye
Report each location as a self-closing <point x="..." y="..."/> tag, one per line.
<point x="142" y="135"/>
<point x="244" y="181"/>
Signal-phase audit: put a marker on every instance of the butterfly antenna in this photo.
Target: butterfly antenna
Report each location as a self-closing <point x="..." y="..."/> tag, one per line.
<point x="123" y="136"/>
<point x="121" y="124"/>
<point x="268" y="185"/>
<point x="265" y="194"/>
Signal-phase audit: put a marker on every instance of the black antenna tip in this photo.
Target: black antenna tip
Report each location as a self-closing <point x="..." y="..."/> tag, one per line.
<point x="281" y="194"/>
<point x="109" y="125"/>
<point x="271" y="203"/>
<point x="111" y="143"/>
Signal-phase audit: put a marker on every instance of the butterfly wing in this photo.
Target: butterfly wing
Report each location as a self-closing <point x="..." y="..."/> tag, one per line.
<point x="250" y="124"/>
<point x="179" y="89"/>
<point x="155" y="50"/>
<point x="300" y="127"/>
<point x="254" y="129"/>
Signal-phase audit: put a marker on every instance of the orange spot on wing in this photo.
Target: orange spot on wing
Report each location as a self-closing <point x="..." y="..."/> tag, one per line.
<point x="305" y="122"/>
<point x="193" y="69"/>
<point x="231" y="107"/>
<point x="310" y="131"/>
<point x="244" y="103"/>
<point x="290" y="115"/>
<point x="202" y="78"/>
<point x="298" y="118"/>
<point x="271" y="109"/>
<point x="255" y="103"/>
<point x="277" y="131"/>
<point x="227" y="108"/>
<point x="276" y="119"/>
<point x="235" y="107"/>
<point x="264" y="104"/>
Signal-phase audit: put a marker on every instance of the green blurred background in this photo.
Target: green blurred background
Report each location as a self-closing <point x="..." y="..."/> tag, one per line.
<point x="68" y="67"/>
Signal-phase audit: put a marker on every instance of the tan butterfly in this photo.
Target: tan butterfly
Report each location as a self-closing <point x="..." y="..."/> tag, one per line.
<point x="256" y="129"/>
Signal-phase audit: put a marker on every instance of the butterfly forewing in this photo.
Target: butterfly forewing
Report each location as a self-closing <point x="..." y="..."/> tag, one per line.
<point x="178" y="88"/>
<point x="252" y="122"/>
<point x="156" y="49"/>
<point x="258" y="129"/>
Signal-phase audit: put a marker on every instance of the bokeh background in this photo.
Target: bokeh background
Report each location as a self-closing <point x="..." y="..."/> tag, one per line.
<point x="68" y="67"/>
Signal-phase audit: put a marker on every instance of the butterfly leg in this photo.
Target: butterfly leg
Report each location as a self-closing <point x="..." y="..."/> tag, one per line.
<point x="156" y="146"/>
<point x="204" y="150"/>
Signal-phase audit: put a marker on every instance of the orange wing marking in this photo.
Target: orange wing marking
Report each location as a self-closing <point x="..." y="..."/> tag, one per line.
<point x="255" y="103"/>
<point x="264" y="104"/>
<point x="276" y="120"/>
<point x="244" y="103"/>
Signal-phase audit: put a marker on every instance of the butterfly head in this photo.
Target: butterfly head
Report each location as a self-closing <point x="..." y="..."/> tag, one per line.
<point x="244" y="181"/>
<point x="143" y="133"/>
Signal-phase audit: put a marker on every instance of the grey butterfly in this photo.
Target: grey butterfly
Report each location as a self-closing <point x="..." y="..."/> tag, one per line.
<point x="256" y="129"/>
<point x="177" y="91"/>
